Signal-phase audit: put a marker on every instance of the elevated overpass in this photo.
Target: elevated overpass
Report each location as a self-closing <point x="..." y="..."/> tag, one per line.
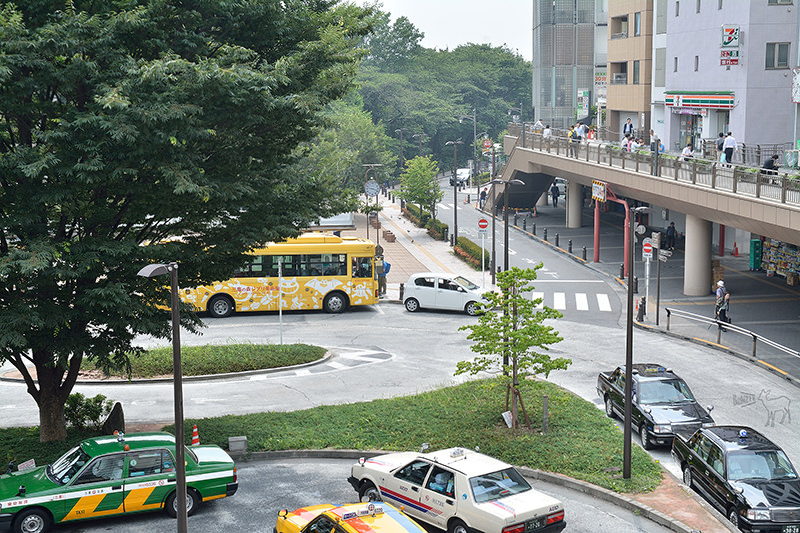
<point x="705" y="191"/>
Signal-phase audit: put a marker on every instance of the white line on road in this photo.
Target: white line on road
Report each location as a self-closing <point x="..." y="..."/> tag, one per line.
<point x="559" y="300"/>
<point x="302" y="372"/>
<point x="336" y="364"/>
<point x="445" y="206"/>
<point x="603" y="302"/>
<point x="581" y="301"/>
<point x="537" y="295"/>
<point x="512" y="252"/>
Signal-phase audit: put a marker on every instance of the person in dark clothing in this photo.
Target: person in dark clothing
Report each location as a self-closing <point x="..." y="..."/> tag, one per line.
<point x="771" y="164"/>
<point x="671" y="236"/>
<point x="555" y="193"/>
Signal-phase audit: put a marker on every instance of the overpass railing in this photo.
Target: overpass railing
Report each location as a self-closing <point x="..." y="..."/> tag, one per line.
<point x="752" y="338"/>
<point x="772" y="186"/>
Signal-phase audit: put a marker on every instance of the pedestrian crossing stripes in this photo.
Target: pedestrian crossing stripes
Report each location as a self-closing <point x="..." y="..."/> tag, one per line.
<point x="581" y="299"/>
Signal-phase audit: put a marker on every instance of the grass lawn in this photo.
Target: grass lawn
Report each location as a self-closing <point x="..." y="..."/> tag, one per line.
<point x="581" y="441"/>
<point x="219" y="359"/>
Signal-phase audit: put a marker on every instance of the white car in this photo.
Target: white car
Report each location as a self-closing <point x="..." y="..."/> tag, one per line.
<point x="458" y="490"/>
<point x="434" y="290"/>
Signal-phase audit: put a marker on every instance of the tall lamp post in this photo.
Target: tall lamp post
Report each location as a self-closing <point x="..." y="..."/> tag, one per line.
<point x="474" y="138"/>
<point x="626" y="445"/>
<point x="151" y="271"/>
<point x="402" y="158"/>
<point x="455" y="188"/>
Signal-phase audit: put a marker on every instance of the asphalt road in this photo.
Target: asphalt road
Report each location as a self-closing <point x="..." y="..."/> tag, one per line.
<point x="265" y="487"/>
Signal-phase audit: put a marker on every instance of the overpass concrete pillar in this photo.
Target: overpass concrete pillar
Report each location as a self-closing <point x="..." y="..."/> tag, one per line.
<point x="574" y="204"/>
<point x="697" y="271"/>
<point x="542" y="201"/>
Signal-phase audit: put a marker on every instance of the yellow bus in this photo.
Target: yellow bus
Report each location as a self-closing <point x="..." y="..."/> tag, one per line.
<point x="318" y="271"/>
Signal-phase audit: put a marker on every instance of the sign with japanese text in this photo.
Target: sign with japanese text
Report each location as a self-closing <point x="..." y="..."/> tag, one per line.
<point x="729" y="57"/>
<point x="599" y="190"/>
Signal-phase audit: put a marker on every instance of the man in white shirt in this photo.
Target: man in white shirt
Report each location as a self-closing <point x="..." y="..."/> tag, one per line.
<point x="548" y="133"/>
<point x="729" y="146"/>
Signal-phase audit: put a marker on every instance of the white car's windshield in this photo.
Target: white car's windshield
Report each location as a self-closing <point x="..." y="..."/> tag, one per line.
<point x="467" y="284"/>
<point x="69" y="464"/>
<point x="671" y="391"/>
<point x="768" y="464"/>
<point x="496" y="485"/>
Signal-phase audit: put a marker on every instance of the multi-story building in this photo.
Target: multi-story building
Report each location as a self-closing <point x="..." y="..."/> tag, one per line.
<point x="630" y="46"/>
<point x="724" y="65"/>
<point x="569" y="54"/>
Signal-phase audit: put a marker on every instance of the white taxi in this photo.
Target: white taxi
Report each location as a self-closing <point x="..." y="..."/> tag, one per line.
<point x="458" y="490"/>
<point x="433" y="290"/>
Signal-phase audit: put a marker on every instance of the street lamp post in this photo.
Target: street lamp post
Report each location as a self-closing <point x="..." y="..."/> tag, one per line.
<point x="474" y="140"/>
<point x="402" y="157"/>
<point x="455" y="189"/>
<point x="177" y="372"/>
<point x="628" y="420"/>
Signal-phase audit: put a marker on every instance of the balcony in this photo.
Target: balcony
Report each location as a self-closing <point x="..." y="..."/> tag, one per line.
<point x="621" y="35"/>
<point x="619" y="78"/>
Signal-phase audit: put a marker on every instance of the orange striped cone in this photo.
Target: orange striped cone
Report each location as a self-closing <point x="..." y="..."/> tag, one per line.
<point x="195" y="436"/>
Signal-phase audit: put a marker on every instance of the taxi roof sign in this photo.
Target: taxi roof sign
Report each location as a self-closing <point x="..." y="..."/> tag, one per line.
<point x="367" y="510"/>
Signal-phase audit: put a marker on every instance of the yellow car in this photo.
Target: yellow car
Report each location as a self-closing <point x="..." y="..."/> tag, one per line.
<point x="350" y="518"/>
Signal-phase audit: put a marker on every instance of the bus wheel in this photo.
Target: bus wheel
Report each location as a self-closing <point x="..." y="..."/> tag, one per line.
<point x="220" y="307"/>
<point x="335" y="302"/>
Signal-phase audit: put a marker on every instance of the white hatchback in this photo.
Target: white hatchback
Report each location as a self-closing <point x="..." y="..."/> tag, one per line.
<point x="432" y="290"/>
<point x="458" y="490"/>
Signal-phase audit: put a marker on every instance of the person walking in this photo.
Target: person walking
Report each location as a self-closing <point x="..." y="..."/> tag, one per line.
<point x="721" y="303"/>
<point x="483" y="196"/>
<point x="718" y="144"/>
<point x="655" y="145"/>
<point x="573" y="141"/>
<point x="387" y="266"/>
<point x="729" y="146"/>
<point x="671" y="233"/>
<point x="555" y="193"/>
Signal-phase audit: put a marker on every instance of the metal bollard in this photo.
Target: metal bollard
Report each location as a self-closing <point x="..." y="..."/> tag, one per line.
<point x="545" y="234"/>
<point x="467" y="197"/>
<point x="622" y="271"/>
<point x="516" y="217"/>
<point x="451" y="240"/>
<point x="583" y="253"/>
<point x="556" y="240"/>
<point x="534" y="228"/>
<point x="402" y="290"/>
<point x="569" y="246"/>
<point x="524" y="224"/>
<point x="635" y="285"/>
<point x="545" y="414"/>
<point x="642" y="306"/>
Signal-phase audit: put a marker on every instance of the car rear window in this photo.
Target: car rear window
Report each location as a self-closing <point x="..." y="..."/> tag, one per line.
<point x="489" y="487"/>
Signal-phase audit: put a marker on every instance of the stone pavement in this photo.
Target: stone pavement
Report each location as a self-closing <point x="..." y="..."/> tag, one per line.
<point x="415" y="251"/>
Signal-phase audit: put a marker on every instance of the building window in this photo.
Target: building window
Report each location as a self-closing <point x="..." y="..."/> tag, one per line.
<point x="698" y="6"/>
<point x="660" y="72"/>
<point x="677" y="8"/>
<point x="637" y="24"/>
<point x="696" y="63"/>
<point x="661" y="16"/>
<point x="777" y="55"/>
<point x="779" y="2"/>
<point x="675" y="64"/>
<point x="636" y="72"/>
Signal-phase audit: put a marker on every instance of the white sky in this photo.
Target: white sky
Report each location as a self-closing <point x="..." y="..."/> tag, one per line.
<point x="449" y="23"/>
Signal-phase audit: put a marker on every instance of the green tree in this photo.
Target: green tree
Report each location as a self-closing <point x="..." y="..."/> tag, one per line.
<point x="418" y="184"/>
<point x="141" y="131"/>
<point x="511" y="336"/>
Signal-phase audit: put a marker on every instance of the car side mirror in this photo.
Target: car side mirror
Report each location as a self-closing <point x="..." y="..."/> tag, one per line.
<point x="710" y="408"/>
<point x="22" y="490"/>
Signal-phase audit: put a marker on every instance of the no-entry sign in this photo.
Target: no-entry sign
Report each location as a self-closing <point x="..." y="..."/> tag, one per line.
<point x="647" y="250"/>
<point x="483" y="223"/>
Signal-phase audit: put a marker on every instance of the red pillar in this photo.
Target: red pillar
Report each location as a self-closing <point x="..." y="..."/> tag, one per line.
<point x="722" y="240"/>
<point x="596" y="257"/>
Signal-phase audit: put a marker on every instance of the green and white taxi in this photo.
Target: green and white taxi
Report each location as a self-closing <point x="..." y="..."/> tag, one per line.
<point x="113" y="475"/>
<point x="458" y="490"/>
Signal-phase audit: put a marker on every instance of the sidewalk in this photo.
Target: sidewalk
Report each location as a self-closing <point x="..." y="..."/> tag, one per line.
<point x="415" y="251"/>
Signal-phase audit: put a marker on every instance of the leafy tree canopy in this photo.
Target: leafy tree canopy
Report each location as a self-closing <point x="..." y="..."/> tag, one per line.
<point x="418" y="183"/>
<point x="141" y="131"/>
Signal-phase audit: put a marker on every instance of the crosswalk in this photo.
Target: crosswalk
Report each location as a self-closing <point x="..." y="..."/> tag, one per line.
<point x="579" y="301"/>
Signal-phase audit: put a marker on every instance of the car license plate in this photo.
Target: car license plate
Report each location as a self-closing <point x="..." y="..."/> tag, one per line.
<point x="791" y="529"/>
<point x="533" y="525"/>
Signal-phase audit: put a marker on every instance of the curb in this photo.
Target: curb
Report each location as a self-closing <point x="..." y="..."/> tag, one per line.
<point x="207" y="377"/>
<point x="557" y="479"/>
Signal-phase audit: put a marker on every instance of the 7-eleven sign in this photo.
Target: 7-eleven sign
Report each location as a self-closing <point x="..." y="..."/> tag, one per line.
<point x="730" y="36"/>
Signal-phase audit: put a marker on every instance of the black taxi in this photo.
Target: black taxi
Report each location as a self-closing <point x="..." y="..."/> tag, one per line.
<point x="744" y="475"/>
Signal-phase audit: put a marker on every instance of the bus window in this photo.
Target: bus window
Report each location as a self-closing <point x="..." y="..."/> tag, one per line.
<point x="362" y="267"/>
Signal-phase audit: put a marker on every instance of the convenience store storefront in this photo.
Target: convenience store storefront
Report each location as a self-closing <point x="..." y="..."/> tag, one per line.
<point x="696" y="115"/>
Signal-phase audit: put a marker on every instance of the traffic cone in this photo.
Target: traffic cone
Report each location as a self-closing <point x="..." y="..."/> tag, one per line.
<point x="735" y="250"/>
<point x="195" y="436"/>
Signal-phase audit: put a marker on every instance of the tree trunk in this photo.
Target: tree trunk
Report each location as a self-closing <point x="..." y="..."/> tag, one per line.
<point x="52" y="395"/>
<point x="52" y="424"/>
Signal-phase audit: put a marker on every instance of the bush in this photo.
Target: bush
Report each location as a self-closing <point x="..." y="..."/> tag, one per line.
<point x="86" y="413"/>
<point x="437" y="229"/>
<point x="470" y="252"/>
<point x="415" y="215"/>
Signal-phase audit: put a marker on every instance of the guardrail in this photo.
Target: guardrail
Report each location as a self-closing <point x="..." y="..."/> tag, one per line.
<point x="724" y="327"/>
<point x="772" y="186"/>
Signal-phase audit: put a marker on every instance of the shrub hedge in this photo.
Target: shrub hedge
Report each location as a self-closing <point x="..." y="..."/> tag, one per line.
<point x="437" y="229"/>
<point x="470" y="252"/>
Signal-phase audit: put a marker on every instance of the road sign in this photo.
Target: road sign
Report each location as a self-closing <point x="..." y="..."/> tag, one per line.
<point x="487" y="143"/>
<point x="665" y="253"/>
<point x="483" y="231"/>
<point x="483" y="223"/>
<point x="647" y="250"/>
<point x="599" y="190"/>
